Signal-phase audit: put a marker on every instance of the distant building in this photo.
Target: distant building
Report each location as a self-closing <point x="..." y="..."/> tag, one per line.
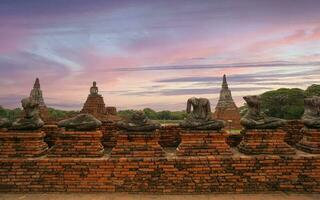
<point x="226" y="109"/>
<point x="36" y="95"/>
<point x="95" y="106"/>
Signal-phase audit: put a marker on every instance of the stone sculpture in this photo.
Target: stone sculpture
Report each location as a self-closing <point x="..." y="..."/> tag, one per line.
<point x="4" y="123"/>
<point x="31" y="119"/>
<point x="311" y="116"/>
<point x="94" y="89"/>
<point x="81" y="122"/>
<point x="138" y="122"/>
<point x="255" y="119"/>
<point x="200" y="118"/>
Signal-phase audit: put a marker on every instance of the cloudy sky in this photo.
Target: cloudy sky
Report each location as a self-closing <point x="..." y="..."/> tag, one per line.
<point x="155" y="53"/>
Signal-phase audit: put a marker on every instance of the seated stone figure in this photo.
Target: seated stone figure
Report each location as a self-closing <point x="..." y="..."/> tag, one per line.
<point x="4" y="123"/>
<point x="31" y="119"/>
<point x="81" y="122"/>
<point x="138" y="122"/>
<point x="255" y="119"/>
<point x="311" y="116"/>
<point x="200" y="118"/>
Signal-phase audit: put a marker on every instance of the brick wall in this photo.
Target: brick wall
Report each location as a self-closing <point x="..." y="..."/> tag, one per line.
<point x="162" y="175"/>
<point x="170" y="136"/>
<point x="168" y="173"/>
<point x="293" y="130"/>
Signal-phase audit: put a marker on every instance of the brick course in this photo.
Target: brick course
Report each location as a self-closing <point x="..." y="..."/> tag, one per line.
<point x="77" y="144"/>
<point x="310" y="142"/>
<point x="266" y="141"/>
<point x="203" y="143"/>
<point x="137" y="144"/>
<point x="22" y="144"/>
<point x="162" y="175"/>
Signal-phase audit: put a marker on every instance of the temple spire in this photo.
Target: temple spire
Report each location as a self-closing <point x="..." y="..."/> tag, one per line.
<point x="36" y="93"/>
<point x="37" y="84"/>
<point x="226" y="109"/>
<point x="224" y="82"/>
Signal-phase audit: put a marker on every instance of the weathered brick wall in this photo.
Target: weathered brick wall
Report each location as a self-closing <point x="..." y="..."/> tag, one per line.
<point x="169" y="173"/>
<point x="51" y="132"/>
<point x="162" y="175"/>
<point x="109" y="132"/>
<point x="170" y="136"/>
<point x="293" y="130"/>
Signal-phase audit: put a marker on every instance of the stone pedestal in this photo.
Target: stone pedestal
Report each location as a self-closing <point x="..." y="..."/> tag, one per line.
<point x="203" y="143"/>
<point x="310" y="142"/>
<point x="265" y="141"/>
<point x="77" y="144"/>
<point x="22" y="144"/>
<point x="137" y="144"/>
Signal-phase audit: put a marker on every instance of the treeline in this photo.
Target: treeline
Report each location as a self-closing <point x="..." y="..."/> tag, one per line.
<point x="154" y="115"/>
<point x="12" y="114"/>
<point x="285" y="103"/>
<point x="61" y="114"/>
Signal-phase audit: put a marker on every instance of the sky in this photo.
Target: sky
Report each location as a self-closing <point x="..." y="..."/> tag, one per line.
<point x="155" y="54"/>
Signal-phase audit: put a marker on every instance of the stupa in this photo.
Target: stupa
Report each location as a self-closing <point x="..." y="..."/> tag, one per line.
<point x="36" y="95"/>
<point x="95" y="106"/>
<point x="226" y="109"/>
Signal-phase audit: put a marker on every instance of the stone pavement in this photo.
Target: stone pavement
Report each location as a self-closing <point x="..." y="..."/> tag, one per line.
<point x="124" y="196"/>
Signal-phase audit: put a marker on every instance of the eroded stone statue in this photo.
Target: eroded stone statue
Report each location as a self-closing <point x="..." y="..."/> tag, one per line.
<point x="94" y="89"/>
<point x="138" y="122"/>
<point x="31" y="119"/>
<point x="311" y="116"/>
<point x="4" y="123"/>
<point x="200" y="117"/>
<point x="255" y="119"/>
<point x="81" y="122"/>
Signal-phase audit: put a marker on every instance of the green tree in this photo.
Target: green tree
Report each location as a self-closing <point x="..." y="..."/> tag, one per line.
<point x="313" y="90"/>
<point x="283" y="103"/>
<point x="151" y="114"/>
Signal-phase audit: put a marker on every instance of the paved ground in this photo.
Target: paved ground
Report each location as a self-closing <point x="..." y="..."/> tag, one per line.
<point x="120" y="196"/>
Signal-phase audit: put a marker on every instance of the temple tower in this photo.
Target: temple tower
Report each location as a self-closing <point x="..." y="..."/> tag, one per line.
<point x="95" y="105"/>
<point x="226" y="109"/>
<point x="36" y="95"/>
